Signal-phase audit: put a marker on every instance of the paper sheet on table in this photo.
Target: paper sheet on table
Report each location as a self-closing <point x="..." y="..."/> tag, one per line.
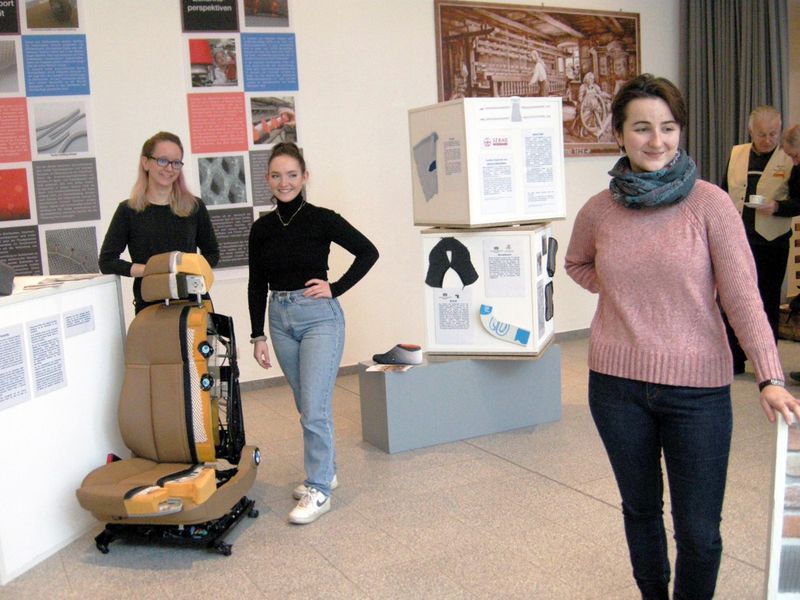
<point x="390" y="368"/>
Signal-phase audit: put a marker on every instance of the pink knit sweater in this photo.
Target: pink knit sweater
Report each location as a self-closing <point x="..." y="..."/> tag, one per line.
<point x="657" y="273"/>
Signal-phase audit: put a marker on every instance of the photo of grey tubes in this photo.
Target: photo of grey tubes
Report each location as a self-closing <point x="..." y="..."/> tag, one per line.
<point x="61" y="129"/>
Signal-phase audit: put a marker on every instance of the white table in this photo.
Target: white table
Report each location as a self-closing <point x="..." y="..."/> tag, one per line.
<point x="50" y="441"/>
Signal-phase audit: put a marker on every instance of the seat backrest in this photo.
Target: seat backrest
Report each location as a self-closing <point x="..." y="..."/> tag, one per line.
<point x="165" y="412"/>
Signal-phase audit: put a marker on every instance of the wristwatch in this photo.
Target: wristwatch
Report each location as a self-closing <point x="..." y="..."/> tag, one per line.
<point x="778" y="382"/>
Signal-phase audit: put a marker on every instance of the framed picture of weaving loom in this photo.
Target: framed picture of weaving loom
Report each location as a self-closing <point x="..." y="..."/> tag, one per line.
<point x="503" y="50"/>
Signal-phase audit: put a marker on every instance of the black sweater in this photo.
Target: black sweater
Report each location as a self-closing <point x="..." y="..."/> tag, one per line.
<point x="153" y="231"/>
<point x="285" y="258"/>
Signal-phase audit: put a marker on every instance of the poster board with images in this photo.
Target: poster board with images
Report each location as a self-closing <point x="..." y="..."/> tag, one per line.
<point x="783" y="564"/>
<point x="580" y="56"/>
<point x="489" y="292"/>
<point x="49" y="201"/>
<point x="241" y="78"/>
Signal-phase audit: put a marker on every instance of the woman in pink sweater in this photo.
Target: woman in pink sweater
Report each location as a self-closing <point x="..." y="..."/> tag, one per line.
<point x="659" y="247"/>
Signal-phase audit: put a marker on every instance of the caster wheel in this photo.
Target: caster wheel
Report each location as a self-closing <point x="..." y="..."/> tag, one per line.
<point x="103" y="548"/>
<point x="253" y="513"/>
<point x="224" y="549"/>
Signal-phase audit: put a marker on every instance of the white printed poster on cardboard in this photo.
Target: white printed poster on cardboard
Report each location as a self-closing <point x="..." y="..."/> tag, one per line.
<point x="541" y="194"/>
<point x="13" y="367"/>
<point x="497" y="175"/>
<point x="520" y="154"/>
<point x="504" y="265"/>
<point x="452" y="310"/>
<point x="46" y="347"/>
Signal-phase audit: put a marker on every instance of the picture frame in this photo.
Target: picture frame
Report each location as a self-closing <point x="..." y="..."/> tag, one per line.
<point x="583" y="56"/>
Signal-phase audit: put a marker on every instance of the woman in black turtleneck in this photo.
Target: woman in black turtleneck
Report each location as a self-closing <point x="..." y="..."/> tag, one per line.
<point x="160" y="216"/>
<point x="288" y="253"/>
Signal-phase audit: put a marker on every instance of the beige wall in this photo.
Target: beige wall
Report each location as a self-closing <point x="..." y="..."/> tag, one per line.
<point x="362" y="64"/>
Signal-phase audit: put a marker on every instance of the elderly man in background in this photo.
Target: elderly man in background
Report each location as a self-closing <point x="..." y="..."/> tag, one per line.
<point x="758" y="182"/>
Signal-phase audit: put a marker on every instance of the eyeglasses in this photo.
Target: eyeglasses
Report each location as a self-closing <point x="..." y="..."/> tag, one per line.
<point x="163" y="162"/>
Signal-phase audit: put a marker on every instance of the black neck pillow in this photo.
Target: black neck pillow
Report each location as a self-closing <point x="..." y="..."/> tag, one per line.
<point x="460" y="263"/>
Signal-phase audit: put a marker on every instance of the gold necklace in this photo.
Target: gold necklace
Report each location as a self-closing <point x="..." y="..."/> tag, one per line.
<point x="286" y="223"/>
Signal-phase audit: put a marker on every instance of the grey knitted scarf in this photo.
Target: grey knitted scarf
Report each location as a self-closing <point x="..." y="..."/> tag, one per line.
<point x="664" y="187"/>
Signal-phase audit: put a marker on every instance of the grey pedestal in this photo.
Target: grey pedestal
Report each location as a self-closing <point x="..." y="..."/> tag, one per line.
<point x="440" y="402"/>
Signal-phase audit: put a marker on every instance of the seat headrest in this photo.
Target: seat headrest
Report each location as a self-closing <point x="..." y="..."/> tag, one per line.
<point x="176" y="275"/>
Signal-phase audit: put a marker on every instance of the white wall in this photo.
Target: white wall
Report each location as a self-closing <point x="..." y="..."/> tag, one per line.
<point x="362" y="64"/>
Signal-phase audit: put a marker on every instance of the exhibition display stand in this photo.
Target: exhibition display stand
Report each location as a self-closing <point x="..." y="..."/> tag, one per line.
<point x="488" y="174"/>
<point x="61" y="367"/>
<point x="439" y="402"/>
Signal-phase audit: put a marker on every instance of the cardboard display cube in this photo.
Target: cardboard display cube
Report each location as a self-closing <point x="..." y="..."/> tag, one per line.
<point x="487" y="161"/>
<point x="489" y="291"/>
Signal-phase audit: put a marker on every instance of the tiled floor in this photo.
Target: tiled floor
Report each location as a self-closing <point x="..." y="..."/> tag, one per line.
<point x="532" y="513"/>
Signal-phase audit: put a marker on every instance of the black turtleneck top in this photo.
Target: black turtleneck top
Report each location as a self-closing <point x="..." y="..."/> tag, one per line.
<point x="152" y="231"/>
<point x="283" y="257"/>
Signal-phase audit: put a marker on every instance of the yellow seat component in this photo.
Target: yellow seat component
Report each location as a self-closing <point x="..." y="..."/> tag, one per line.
<point x="146" y="502"/>
<point x="161" y="276"/>
<point x="180" y="262"/>
<point x="196" y="487"/>
<point x="196" y="326"/>
<point x="195" y="264"/>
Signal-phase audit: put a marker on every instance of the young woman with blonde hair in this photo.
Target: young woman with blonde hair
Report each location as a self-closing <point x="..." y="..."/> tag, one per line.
<point x="161" y="215"/>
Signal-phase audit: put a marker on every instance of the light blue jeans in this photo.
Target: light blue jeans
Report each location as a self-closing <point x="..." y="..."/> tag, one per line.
<point x="308" y="338"/>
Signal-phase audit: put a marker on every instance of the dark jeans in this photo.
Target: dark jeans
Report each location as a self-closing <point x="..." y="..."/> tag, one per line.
<point x="771" y="264"/>
<point x="692" y="426"/>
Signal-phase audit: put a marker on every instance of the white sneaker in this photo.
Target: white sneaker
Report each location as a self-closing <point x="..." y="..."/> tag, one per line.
<point x="311" y="507"/>
<point x="301" y="489"/>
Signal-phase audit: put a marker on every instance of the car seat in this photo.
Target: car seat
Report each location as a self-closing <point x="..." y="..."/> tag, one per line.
<point x="180" y="414"/>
